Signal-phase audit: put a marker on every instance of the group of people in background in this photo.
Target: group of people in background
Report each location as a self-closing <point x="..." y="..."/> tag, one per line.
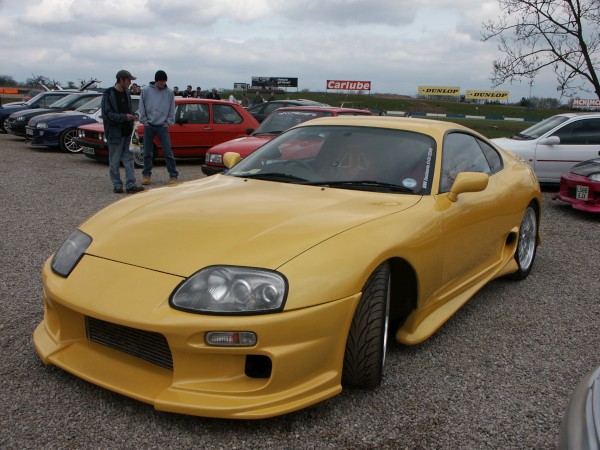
<point x="157" y="114"/>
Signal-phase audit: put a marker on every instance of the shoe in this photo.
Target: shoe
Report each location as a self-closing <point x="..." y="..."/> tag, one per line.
<point x="133" y="189"/>
<point x="146" y="181"/>
<point x="173" y="181"/>
<point x="118" y="190"/>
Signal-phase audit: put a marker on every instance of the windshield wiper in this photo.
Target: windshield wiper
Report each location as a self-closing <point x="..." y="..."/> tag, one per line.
<point x="363" y="183"/>
<point x="274" y="176"/>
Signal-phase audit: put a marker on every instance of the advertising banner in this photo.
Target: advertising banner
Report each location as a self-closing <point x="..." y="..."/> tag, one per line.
<point x="344" y="85"/>
<point x="273" y="82"/>
<point x="473" y="94"/>
<point x="592" y="103"/>
<point x="452" y="91"/>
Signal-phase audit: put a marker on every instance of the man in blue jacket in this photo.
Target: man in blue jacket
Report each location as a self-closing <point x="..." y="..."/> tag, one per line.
<point x="157" y="113"/>
<point x="118" y="118"/>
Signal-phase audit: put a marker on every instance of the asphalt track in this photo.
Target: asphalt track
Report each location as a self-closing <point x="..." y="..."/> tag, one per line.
<point x="498" y="375"/>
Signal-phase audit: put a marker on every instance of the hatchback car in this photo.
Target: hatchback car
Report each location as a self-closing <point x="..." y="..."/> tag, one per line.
<point x="282" y="278"/>
<point x="277" y="122"/>
<point x="199" y="124"/>
<point x="17" y="122"/>
<point x="262" y="110"/>
<point x="581" y="186"/>
<point x="60" y="129"/>
<point x="42" y="100"/>
<point x="555" y="144"/>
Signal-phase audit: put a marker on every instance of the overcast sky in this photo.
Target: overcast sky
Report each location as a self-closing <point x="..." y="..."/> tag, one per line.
<point x="398" y="45"/>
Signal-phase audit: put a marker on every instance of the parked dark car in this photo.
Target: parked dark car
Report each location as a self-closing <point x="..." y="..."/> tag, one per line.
<point x="262" y="110"/>
<point x="42" y="100"/>
<point x="17" y="121"/>
<point x="60" y="129"/>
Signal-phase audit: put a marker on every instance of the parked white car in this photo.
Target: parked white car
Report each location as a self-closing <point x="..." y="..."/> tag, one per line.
<point x="556" y="144"/>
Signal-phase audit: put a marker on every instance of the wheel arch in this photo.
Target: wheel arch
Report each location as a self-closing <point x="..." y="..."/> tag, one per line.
<point x="404" y="290"/>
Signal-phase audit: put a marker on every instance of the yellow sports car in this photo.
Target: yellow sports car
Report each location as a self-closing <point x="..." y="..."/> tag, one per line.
<point x="266" y="289"/>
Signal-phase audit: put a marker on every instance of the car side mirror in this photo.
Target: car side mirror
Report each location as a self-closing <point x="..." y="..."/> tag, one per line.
<point x="468" y="182"/>
<point x="550" y="140"/>
<point x="249" y="131"/>
<point x="231" y="159"/>
<point x="181" y="121"/>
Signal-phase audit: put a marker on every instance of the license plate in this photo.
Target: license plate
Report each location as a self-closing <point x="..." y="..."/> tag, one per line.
<point x="88" y="150"/>
<point x="29" y="132"/>
<point x="582" y="192"/>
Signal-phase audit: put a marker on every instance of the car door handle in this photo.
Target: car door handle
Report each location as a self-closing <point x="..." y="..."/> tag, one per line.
<point x="208" y="128"/>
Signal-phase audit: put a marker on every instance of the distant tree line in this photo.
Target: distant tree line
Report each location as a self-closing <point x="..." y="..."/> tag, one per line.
<point x="36" y="80"/>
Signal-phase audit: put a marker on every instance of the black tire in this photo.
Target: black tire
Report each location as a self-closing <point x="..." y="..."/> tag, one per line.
<point x="527" y="243"/>
<point x="366" y="346"/>
<point x="2" y="129"/>
<point x="67" y="141"/>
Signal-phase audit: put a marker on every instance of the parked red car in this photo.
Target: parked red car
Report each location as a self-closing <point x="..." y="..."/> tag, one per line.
<point x="277" y="122"/>
<point x="581" y="186"/>
<point x="199" y="124"/>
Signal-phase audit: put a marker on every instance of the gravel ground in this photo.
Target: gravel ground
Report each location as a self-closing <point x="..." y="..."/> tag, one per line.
<point x="498" y="375"/>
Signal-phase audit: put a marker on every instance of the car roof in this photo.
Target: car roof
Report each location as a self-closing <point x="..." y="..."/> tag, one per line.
<point x="186" y="100"/>
<point x="579" y="114"/>
<point x="425" y="126"/>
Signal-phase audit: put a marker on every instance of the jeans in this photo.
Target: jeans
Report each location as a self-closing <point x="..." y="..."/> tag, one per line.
<point x="118" y="152"/>
<point x="165" y="141"/>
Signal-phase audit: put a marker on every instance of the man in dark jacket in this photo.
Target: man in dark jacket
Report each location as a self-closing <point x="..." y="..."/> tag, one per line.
<point x="118" y="119"/>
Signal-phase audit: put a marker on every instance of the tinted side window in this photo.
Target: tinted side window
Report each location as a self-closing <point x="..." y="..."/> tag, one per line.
<point x="461" y="153"/>
<point x="580" y="132"/>
<point x="49" y="99"/>
<point x="226" y="114"/>
<point x="492" y="156"/>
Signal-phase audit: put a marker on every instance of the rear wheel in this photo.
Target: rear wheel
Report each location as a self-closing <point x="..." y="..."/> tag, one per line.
<point x="527" y="244"/>
<point x="67" y="141"/>
<point x="367" y="339"/>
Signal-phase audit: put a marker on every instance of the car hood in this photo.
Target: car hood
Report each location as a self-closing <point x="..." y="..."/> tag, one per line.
<point x="514" y="144"/>
<point x="65" y="115"/>
<point x="226" y="220"/>
<point x="244" y="145"/>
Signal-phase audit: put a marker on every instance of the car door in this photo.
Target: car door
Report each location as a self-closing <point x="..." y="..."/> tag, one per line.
<point x="192" y="134"/>
<point x="473" y="232"/>
<point x="227" y="123"/>
<point x="578" y="141"/>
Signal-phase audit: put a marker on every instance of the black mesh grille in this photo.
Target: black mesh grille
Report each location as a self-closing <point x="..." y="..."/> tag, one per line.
<point x="147" y="345"/>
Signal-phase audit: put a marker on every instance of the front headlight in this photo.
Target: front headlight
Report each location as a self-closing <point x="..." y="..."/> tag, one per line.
<point x="214" y="158"/>
<point x="42" y="125"/>
<point x="231" y="290"/>
<point x="69" y="254"/>
<point x="595" y="177"/>
<point x="20" y="119"/>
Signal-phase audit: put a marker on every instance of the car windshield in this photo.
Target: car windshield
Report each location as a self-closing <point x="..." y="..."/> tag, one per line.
<point x="90" y="107"/>
<point x="540" y="128"/>
<point x="65" y="102"/>
<point x="280" y="121"/>
<point x="345" y="157"/>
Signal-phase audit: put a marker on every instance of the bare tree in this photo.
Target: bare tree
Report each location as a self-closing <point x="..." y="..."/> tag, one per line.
<point x="535" y="34"/>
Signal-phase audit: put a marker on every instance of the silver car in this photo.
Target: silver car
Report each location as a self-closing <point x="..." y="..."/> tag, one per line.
<point x="554" y="145"/>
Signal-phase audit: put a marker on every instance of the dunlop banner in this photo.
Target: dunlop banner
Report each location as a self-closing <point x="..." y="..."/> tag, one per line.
<point x="486" y="95"/>
<point x="452" y="91"/>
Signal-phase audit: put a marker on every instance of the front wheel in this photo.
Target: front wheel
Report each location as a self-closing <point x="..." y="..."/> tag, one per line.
<point x="367" y="339"/>
<point x="67" y="141"/>
<point x="527" y="244"/>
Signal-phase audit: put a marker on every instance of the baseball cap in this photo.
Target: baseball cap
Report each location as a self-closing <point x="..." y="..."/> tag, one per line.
<point x="160" y="75"/>
<point x="125" y="74"/>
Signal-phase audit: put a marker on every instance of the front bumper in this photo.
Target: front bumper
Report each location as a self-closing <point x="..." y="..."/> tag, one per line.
<point x="305" y="347"/>
<point x="42" y="137"/>
<point x="583" y="194"/>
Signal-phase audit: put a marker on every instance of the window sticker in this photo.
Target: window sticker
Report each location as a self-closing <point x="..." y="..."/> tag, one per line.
<point x="409" y="183"/>
<point x="427" y="168"/>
